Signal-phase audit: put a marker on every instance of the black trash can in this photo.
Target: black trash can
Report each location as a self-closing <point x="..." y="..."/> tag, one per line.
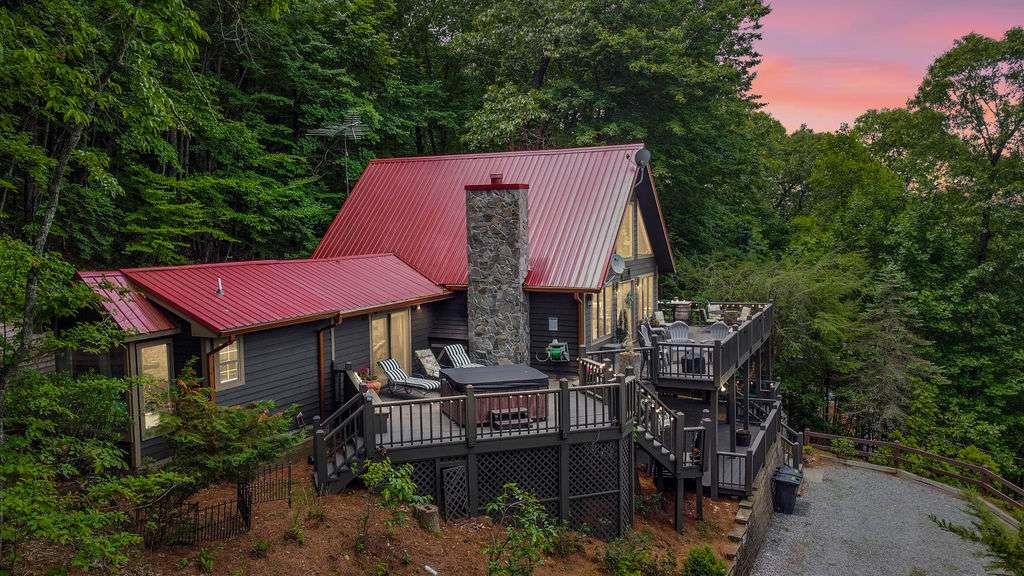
<point x="787" y="481"/>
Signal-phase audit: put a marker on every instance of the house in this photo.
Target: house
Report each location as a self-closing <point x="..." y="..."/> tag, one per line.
<point x="505" y="253"/>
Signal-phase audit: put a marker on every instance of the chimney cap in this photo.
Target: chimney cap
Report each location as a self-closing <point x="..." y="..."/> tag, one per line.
<point x="497" y="183"/>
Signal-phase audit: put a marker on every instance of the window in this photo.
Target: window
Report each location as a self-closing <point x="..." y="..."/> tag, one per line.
<point x="601" y="314"/>
<point x="625" y="300"/>
<point x="229" y="365"/>
<point x="391" y="337"/>
<point x="643" y="241"/>
<point x="155" y="368"/>
<point x="624" y="240"/>
<point x="645" y="299"/>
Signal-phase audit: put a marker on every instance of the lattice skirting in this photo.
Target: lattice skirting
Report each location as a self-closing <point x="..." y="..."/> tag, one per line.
<point x="596" y="498"/>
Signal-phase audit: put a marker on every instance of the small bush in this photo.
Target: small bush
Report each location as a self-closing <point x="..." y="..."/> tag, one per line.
<point x="565" y="542"/>
<point x="883" y="456"/>
<point x="701" y="561"/>
<point x="204" y="559"/>
<point x="647" y="504"/>
<point x="295" y="532"/>
<point x="844" y="448"/>
<point x="260" y="548"/>
<point x="528" y="533"/>
<point x="628" y="555"/>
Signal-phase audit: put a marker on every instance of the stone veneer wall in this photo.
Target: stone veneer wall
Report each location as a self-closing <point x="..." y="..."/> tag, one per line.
<point x="755" y="512"/>
<point x="497" y="250"/>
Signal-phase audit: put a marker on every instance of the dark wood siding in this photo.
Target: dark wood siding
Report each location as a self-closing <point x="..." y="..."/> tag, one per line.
<point x="451" y="320"/>
<point x="422" y="324"/>
<point x="187" y="348"/>
<point x="280" y="365"/>
<point x="352" y="342"/>
<point x="564" y="307"/>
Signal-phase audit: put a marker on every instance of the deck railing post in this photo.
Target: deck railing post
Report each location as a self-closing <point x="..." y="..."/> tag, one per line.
<point x="622" y="412"/>
<point x="897" y="454"/>
<point x="710" y="451"/>
<point x="369" y="427"/>
<point x="470" y="415"/>
<point x="321" y="458"/>
<point x="748" y="470"/>
<point x="679" y="439"/>
<point x="654" y="362"/>
<point x="564" y="416"/>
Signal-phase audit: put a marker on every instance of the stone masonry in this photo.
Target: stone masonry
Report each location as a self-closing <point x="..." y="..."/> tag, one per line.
<point x="497" y="250"/>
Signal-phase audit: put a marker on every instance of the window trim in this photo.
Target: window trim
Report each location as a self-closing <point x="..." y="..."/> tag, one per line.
<point x="220" y="385"/>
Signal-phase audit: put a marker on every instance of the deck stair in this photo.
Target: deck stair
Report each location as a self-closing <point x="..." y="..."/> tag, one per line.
<point x="339" y="437"/>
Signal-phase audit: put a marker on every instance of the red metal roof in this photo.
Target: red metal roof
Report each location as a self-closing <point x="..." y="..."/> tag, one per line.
<point x="128" y="308"/>
<point x="415" y="208"/>
<point x="261" y="293"/>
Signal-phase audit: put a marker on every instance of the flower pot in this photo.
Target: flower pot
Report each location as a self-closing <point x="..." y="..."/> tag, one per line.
<point x="374" y="385"/>
<point x="743" y="437"/>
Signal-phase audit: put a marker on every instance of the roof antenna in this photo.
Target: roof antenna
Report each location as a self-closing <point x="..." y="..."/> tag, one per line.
<point x="220" y="287"/>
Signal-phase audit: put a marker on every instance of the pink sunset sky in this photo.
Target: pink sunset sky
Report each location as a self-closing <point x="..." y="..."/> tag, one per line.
<point x="827" y="61"/>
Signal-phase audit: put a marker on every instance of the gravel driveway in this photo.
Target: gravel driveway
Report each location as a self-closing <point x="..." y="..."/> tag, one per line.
<point x="852" y="521"/>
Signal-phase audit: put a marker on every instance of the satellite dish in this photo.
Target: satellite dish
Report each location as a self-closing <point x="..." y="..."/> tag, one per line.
<point x="618" y="264"/>
<point x="643" y="157"/>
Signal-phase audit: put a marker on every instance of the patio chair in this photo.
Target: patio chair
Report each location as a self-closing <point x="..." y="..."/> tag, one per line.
<point x="457" y="356"/>
<point x="719" y="330"/>
<point x="401" y="384"/>
<point x="429" y="365"/>
<point x="659" y="318"/>
<point x="744" y="314"/>
<point x="678" y="331"/>
<point x="713" y="313"/>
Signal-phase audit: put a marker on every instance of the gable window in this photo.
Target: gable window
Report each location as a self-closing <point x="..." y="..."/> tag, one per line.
<point x="624" y="239"/>
<point x="229" y="365"/>
<point x="643" y="241"/>
<point x="601" y="319"/>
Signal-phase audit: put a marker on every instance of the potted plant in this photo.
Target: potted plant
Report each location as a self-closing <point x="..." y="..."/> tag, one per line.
<point x="743" y="437"/>
<point x="368" y="381"/>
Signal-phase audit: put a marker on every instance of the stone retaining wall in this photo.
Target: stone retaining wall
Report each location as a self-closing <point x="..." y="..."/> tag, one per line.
<point x="753" y="516"/>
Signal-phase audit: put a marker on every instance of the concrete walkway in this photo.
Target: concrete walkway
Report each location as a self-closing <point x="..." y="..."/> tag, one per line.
<point x="853" y="521"/>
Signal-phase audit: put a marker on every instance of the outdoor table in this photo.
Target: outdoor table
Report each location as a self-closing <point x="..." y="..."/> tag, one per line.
<point x="503" y="379"/>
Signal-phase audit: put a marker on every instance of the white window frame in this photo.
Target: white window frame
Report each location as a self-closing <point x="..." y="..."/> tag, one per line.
<point x="221" y="385"/>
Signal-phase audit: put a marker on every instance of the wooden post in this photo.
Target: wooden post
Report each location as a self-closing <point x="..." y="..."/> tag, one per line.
<point x="679" y="440"/>
<point x="748" y="470"/>
<point x="897" y="454"/>
<point x="680" y="503"/>
<point x="731" y="413"/>
<point x="319" y="449"/>
<point x="620" y="401"/>
<point x="564" y="414"/>
<point x="470" y="415"/>
<point x="316" y="422"/>
<point x="655" y="362"/>
<point x="711" y="447"/>
<point x="369" y="427"/>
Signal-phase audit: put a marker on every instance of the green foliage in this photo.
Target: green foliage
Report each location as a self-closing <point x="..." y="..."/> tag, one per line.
<point x="565" y="542"/>
<point x="1004" y="545"/>
<point x="632" y="554"/>
<point x="393" y="486"/>
<point x="528" y="532"/>
<point x="216" y="443"/>
<point x="883" y="456"/>
<point x="260" y="548"/>
<point x="63" y="471"/>
<point x="844" y="448"/>
<point x="701" y="561"/>
<point x="205" y="560"/>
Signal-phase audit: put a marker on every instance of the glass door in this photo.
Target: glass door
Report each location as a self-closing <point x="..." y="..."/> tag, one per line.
<point x="154" y="362"/>
<point x="391" y="337"/>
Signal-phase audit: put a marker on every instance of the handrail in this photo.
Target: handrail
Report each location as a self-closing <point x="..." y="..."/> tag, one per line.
<point x="988" y="482"/>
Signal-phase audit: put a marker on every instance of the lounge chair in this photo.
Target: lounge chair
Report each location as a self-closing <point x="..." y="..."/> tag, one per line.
<point x="719" y="330"/>
<point x="457" y="356"/>
<point x="401" y="384"/>
<point x="429" y="365"/>
<point x="713" y="313"/>
<point x="678" y="331"/>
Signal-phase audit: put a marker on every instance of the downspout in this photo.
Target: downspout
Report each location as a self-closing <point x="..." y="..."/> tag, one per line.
<point x="322" y="378"/>
<point x="581" y="328"/>
<point x="210" y="380"/>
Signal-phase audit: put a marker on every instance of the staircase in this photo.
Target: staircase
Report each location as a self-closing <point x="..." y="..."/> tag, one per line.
<point x="338" y="443"/>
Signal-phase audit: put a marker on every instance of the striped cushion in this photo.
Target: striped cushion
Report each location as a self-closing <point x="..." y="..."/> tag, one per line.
<point x="458" y="356"/>
<point x="398" y="377"/>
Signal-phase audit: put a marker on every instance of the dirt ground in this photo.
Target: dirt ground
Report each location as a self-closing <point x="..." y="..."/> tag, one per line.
<point x="329" y="544"/>
<point x="325" y="542"/>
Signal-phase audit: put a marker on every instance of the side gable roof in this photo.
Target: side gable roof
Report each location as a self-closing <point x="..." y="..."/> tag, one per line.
<point x="415" y="209"/>
<point x="267" y="293"/>
<point x="127" y="307"/>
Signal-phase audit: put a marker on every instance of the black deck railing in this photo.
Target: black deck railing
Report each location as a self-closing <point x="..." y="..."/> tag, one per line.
<point x="737" y="470"/>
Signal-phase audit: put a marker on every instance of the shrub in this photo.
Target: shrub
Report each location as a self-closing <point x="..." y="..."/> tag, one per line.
<point x="629" y="554"/>
<point x="217" y="443"/>
<point x="883" y="456"/>
<point x="844" y="448"/>
<point x="528" y="533"/>
<point x="260" y="548"/>
<point x="1004" y="545"/>
<point x="390" y="486"/>
<point x="647" y="503"/>
<point x="701" y="561"/>
<point x="204" y="559"/>
<point x="295" y="532"/>
<point x="565" y="542"/>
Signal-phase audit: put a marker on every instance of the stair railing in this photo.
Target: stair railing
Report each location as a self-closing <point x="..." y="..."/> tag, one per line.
<point x="343" y="428"/>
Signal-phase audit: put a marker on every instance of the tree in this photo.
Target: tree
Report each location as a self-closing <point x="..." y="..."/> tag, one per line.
<point x="1004" y="545"/>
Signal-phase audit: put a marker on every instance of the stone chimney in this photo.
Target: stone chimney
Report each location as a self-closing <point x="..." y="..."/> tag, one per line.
<point x="497" y="250"/>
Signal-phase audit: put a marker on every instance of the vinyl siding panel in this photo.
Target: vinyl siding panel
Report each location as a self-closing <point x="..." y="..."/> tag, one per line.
<point x="280" y="365"/>
<point x="352" y="343"/>
<point x="564" y="308"/>
<point x="451" y="319"/>
<point x="422" y="324"/>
